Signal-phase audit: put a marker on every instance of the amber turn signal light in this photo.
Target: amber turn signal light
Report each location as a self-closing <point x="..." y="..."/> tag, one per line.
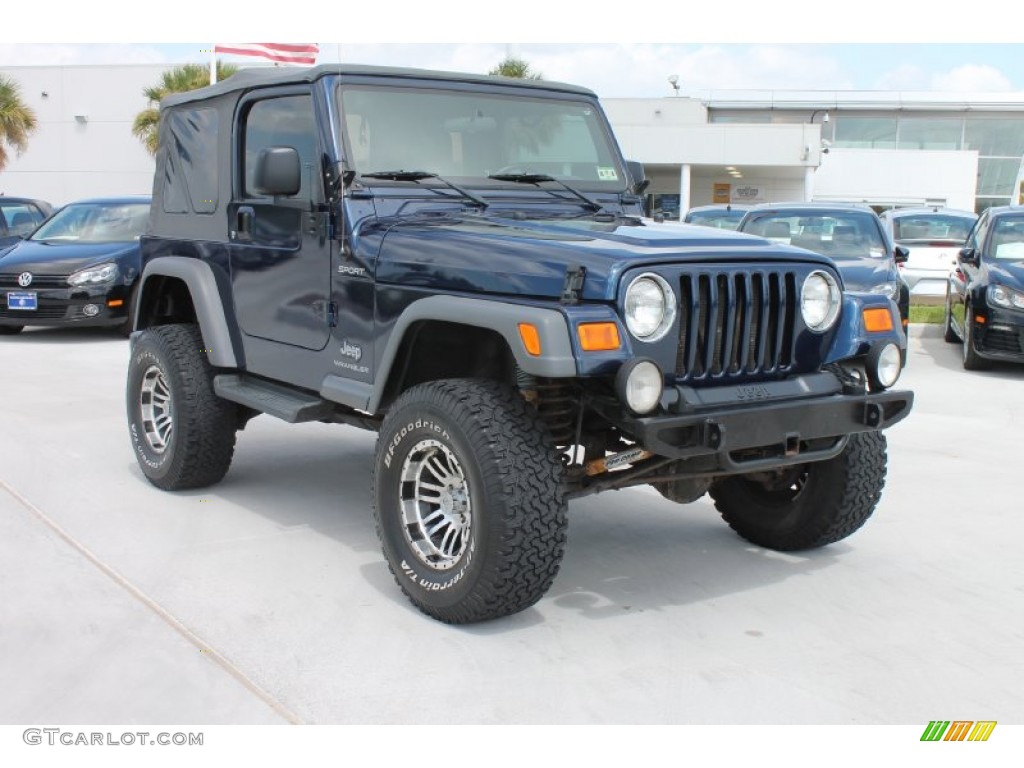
<point x="877" y="320"/>
<point x="531" y="338"/>
<point x="598" y="337"/>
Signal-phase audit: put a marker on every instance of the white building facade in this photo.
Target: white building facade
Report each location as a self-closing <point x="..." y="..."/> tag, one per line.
<point x="884" y="148"/>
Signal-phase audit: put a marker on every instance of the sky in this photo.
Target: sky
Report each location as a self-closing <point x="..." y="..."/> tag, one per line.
<point x="783" y="45"/>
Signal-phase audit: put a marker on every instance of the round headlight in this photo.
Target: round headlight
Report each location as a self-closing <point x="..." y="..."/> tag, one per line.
<point x="884" y="365"/>
<point x="639" y="384"/>
<point x="650" y="307"/>
<point x="820" y="299"/>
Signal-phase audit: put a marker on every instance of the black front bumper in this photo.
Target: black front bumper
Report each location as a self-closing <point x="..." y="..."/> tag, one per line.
<point x="66" y="306"/>
<point x="1001" y="337"/>
<point x="766" y="425"/>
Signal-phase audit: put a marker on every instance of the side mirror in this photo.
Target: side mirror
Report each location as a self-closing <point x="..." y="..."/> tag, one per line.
<point x="639" y="176"/>
<point x="900" y="254"/>
<point x="278" y="172"/>
<point x="967" y="256"/>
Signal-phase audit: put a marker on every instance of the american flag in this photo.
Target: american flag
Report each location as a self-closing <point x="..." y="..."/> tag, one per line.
<point x="287" y="53"/>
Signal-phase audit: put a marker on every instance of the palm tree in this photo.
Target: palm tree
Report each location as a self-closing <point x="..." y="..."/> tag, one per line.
<point x="17" y="120"/>
<point x="513" y="67"/>
<point x="187" y="77"/>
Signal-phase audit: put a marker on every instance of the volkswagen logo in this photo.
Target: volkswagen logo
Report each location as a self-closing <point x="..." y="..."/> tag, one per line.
<point x="25" y="279"/>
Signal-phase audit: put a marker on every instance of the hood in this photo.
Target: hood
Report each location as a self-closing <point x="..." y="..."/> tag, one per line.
<point x="863" y="274"/>
<point x="42" y="258"/>
<point x="530" y="257"/>
<point x="1008" y="273"/>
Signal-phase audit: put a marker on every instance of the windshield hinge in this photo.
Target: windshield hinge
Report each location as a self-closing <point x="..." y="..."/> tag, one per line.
<point x="573" y="285"/>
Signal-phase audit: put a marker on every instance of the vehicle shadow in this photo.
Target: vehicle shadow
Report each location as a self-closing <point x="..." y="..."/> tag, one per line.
<point x="37" y="335"/>
<point x="628" y="551"/>
<point x="927" y="339"/>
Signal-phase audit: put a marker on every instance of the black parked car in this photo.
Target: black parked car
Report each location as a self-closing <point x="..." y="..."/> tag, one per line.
<point x="851" y="234"/>
<point x="78" y="268"/>
<point x="18" y="217"/>
<point x="985" y="299"/>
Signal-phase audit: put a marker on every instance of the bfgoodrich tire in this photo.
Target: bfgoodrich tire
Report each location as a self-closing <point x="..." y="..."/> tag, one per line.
<point x="468" y="500"/>
<point x="810" y="505"/>
<point x="182" y="434"/>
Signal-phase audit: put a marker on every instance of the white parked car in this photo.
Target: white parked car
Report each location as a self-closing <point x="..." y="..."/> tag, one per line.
<point x="933" y="237"/>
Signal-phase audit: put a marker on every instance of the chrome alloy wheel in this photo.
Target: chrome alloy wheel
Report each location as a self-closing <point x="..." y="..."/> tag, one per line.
<point x="436" y="506"/>
<point x="155" y="409"/>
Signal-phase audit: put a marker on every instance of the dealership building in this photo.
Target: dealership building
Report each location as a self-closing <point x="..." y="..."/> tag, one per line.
<point x="885" y="148"/>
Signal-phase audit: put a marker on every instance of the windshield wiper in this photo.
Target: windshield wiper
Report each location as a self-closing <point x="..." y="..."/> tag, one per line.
<point x="537" y="178"/>
<point x="420" y="176"/>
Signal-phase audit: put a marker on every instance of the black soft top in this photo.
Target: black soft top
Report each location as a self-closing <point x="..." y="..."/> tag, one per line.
<point x="259" y="76"/>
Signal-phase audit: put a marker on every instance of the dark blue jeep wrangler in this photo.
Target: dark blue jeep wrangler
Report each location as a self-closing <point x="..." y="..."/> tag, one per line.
<point x="461" y="264"/>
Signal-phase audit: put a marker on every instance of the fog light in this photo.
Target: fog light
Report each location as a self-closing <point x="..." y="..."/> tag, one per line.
<point x="90" y="310"/>
<point x="884" y="365"/>
<point x="639" y="385"/>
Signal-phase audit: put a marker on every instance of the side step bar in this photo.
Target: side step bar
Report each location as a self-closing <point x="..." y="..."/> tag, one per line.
<point x="287" y="404"/>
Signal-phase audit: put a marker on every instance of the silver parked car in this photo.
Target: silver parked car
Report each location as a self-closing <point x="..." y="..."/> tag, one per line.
<point x="720" y="216"/>
<point x="933" y="237"/>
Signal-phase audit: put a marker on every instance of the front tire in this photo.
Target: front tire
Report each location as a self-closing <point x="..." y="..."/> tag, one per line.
<point x="182" y="434"/>
<point x="972" y="360"/>
<point x="468" y="500"/>
<point x="810" y="505"/>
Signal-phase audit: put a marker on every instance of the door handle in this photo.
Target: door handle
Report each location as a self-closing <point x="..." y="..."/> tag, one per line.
<point x="243" y="222"/>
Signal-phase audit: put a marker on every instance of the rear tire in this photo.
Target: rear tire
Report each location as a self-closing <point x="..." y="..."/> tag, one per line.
<point x="810" y="505"/>
<point x="947" y="330"/>
<point x="468" y="500"/>
<point x="182" y="434"/>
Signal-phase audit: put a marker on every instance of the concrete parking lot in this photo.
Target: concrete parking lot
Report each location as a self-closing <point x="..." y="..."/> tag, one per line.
<point x="265" y="599"/>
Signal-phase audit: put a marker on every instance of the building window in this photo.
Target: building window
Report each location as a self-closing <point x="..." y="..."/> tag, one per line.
<point x="929" y="133"/>
<point x="865" y="132"/>
<point x="996" y="176"/>
<point x="999" y="137"/>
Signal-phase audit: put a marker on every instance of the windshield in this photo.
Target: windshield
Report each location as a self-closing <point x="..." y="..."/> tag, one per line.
<point x="717" y="219"/>
<point x="931" y="226"/>
<point x="470" y="136"/>
<point x="1007" y="240"/>
<point x="96" y="223"/>
<point x="846" y="235"/>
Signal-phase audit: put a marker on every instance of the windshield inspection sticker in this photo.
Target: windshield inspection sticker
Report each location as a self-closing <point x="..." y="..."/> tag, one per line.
<point x="607" y="174"/>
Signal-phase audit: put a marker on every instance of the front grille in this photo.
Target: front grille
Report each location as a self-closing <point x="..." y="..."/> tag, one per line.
<point x="735" y="324"/>
<point x="998" y="340"/>
<point x="10" y="280"/>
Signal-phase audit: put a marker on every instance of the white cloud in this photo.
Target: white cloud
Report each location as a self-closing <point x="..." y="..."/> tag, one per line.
<point x="907" y="77"/>
<point x="971" y="77"/>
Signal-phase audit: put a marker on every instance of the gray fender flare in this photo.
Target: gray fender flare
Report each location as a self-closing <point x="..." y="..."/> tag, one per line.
<point x="202" y="285"/>
<point x="555" y="361"/>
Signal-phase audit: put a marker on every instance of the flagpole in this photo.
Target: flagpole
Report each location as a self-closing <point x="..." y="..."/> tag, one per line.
<point x="213" y="64"/>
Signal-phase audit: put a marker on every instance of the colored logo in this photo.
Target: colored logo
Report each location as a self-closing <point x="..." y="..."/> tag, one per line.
<point x="958" y="730"/>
